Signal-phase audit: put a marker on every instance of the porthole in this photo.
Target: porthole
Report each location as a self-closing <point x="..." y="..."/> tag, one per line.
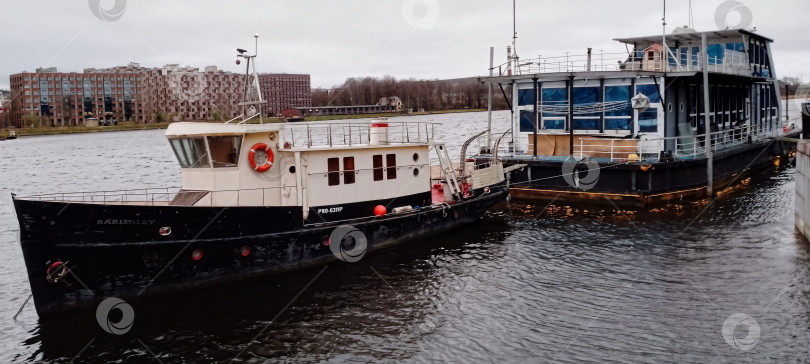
<point x="416" y="157"/>
<point x="669" y="107"/>
<point x="292" y="169"/>
<point x="416" y="172"/>
<point x="681" y="108"/>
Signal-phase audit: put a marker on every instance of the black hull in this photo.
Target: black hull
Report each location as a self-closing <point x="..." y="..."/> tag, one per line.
<point x="640" y="185"/>
<point x="117" y="251"/>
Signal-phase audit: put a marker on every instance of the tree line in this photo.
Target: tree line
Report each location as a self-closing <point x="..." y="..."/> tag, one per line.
<point x="430" y="95"/>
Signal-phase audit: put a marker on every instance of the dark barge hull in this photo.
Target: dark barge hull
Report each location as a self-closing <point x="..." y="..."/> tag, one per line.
<point x="117" y="250"/>
<point x="638" y="184"/>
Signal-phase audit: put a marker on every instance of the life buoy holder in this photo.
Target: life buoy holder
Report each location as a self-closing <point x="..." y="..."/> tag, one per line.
<point x="55" y="272"/>
<point x="252" y="157"/>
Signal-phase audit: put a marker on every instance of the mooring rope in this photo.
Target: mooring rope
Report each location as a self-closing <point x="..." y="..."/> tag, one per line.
<point x="23" y="306"/>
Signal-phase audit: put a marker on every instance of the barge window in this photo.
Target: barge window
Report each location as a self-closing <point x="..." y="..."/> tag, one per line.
<point x="525" y="97"/>
<point x="618" y="119"/>
<point x="334" y="171"/>
<point x="348" y="170"/>
<point x="224" y="150"/>
<point x="648" y="121"/>
<point x="378" y="167"/>
<point x="391" y="163"/>
<point x="650" y="91"/>
<point x="526" y="121"/>
<point x="191" y="152"/>
<point x="586" y="96"/>
<point x="550" y="97"/>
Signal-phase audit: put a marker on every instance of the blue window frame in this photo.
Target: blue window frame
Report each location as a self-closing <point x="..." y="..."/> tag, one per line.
<point x="618" y="93"/>
<point x="526" y="121"/>
<point x="525" y="97"/>
<point x="554" y="124"/>
<point x="716" y="53"/>
<point x="648" y="121"/>
<point x="650" y="91"/>
<point x="554" y="96"/>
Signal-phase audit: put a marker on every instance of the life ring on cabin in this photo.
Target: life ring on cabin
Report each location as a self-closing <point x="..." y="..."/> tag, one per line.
<point x="260" y="147"/>
<point x="55" y="272"/>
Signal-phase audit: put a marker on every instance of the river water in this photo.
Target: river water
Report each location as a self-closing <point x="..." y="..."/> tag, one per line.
<point x="529" y="283"/>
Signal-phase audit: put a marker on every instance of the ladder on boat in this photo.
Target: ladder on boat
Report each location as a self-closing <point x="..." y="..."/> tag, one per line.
<point x="447" y="170"/>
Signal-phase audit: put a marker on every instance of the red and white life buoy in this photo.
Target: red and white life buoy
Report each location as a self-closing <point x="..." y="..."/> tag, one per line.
<point x="260" y="147"/>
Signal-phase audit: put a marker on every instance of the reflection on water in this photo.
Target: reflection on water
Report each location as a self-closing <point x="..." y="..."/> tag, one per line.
<point x="563" y="284"/>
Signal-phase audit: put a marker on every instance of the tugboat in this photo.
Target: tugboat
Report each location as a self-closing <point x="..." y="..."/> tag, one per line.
<point x="678" y="116"/>
<point x="255" y="199"/>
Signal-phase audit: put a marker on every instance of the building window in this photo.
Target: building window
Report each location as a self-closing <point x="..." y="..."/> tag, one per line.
<point x="391" y="163"/>
<point x="334" y="171"/>
<point x="378" y="167"/>
<point x="348" y="170"/>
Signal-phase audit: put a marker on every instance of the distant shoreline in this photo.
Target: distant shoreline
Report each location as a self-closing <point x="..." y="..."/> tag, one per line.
<point x="58" y="130"/>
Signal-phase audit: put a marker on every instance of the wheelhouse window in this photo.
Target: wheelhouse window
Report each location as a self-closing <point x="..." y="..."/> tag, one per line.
<point x="333" y="166"/>
<point x="391" y="164"/>
<point x="224" y="150"/>
<point x="191" y="152"/>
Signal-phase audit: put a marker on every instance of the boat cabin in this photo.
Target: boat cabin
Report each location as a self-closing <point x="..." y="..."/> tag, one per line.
<point x="333" y="171"/>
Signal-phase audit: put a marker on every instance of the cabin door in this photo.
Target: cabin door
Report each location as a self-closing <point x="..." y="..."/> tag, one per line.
<point x="650" y="129"/>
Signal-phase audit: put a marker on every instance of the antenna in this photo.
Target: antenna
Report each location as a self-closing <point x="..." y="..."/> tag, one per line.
<point x="514" y="56"/>
<point x="691" y="18"/>
<point x="665" y="51"/>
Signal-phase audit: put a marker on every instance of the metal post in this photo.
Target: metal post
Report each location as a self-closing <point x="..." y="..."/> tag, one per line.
<point x="588" y="67"/>
<point x="708" y="138"/>
<point x="489" y="100"/>
<point x="536" y="118"/>
<point x="571" y="114"/>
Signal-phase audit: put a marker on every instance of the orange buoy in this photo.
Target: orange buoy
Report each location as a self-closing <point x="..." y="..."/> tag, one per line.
<point x="379" y="210"/>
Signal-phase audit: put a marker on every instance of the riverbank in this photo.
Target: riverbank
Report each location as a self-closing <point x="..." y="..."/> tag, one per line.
<point x="26" y="132"/>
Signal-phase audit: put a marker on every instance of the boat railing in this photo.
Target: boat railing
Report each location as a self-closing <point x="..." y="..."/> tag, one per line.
<point x="733" y="62"/>
<point x="143" y="195"/>
<point x="380" y="132"/>
<point x="164" y="196"/>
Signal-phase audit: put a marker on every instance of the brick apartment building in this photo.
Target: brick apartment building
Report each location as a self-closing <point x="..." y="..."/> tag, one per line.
<point x="135" y="93"/>
<point x="285" y="90"/>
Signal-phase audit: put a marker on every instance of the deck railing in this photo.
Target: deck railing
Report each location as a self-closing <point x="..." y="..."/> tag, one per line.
<point x="731" y="62"/>
<point x="329" y="134"/>
<point x="142" y="195"/>
<point x="163" y="196"/>
<point x="685" y="146"/>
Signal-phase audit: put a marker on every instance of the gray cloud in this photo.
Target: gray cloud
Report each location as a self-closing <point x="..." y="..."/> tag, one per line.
<point x="333" y="40"/>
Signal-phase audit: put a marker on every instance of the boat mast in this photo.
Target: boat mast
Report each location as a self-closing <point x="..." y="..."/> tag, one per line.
<point x="251" y="104"/>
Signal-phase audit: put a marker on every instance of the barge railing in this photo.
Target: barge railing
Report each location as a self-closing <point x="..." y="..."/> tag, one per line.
<point x="734" y="62"/>
<point x="686" y="147"/>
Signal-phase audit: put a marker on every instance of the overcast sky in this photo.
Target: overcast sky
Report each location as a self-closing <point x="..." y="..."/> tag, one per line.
<point x="333" y="40"/>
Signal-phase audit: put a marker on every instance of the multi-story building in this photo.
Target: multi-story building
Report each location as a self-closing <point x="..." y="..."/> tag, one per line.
<point x="285" y="90"/>
<point x="140" y="94"/>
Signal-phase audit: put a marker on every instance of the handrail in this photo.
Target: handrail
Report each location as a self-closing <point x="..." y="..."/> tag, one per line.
<point x="730" y="62"/>
<point x="160" y="195"/>
<point x="330" y="134"/>
<point x="686" y="146"/>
